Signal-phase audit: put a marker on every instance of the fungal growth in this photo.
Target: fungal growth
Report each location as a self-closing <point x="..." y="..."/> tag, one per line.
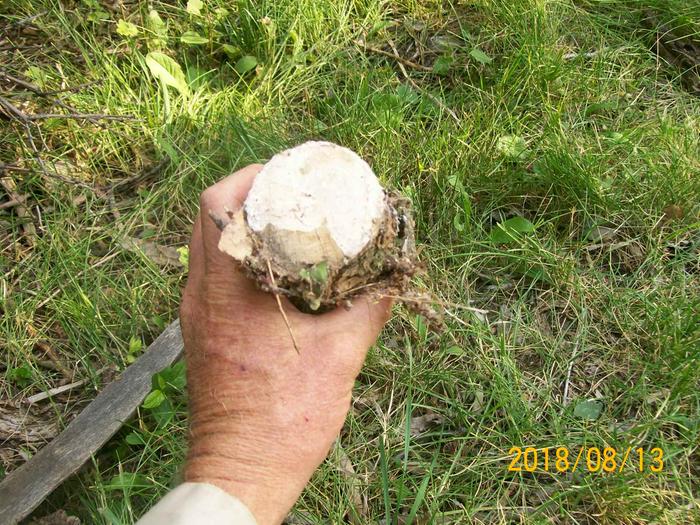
<point x="318" y="227"/>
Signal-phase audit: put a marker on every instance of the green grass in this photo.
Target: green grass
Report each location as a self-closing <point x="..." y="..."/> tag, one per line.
<point x="600" y="300"/>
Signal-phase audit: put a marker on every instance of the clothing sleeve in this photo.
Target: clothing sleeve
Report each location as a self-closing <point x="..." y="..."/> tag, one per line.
<point x="198" y="504"/>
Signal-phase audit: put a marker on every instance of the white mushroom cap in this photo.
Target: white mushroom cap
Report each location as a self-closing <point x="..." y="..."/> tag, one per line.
<point x="316" y="193"/>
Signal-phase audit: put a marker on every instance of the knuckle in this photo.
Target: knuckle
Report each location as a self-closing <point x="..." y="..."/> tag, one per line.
<point x="205" y="199"/>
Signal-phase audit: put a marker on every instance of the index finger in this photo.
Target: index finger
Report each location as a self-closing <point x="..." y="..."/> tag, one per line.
<point x="226" y="195"/>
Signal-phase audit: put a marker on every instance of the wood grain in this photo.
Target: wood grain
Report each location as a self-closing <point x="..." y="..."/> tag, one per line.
<point x="25" y="488"/>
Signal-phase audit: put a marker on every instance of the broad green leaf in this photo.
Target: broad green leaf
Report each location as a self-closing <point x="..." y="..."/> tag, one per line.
<point x="194" y="7"/>
<point x="163" y="413"/>
<point x="512" y="146"/>
<point x="510" y="230"/>
<point x="171" y="379"/>
<point x="184" y="253"/>
<point x="445" y="42"/>
<point x="96" y="14"/>
<point x="442" y="65"/>
<point x="135" y="345"/>
<point x="319" y="272"/>
<point x="21" y="375"/>
<point x="158" y="322"/>
<point x="156" y="24"/>
<point x="387" y="101"/>
<point x="601" y="107"/>
<point x="21" y="372"/>
<point x="193" y="38"/>
<point x="168" y="149"/>
<point x="231" y="51"/>
<point x="589" y="409"/>
<point x="153" y="400"/>
<point x="519" y="224"/>
<point x="615" y="137"/>
<point x="481" y="57"/>
<point x="407" y="94"/>
<point x="169" y="72"/>
<point x="380" y="26"/>
<point x="135" y="438"/>
<point x="127" y="29"/>
<point x="245" y="64"/>
<point x="455" y="350"/>
<point x="126" y="480"/>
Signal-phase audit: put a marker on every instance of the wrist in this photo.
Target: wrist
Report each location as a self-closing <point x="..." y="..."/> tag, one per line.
<point x="262" y="488"/>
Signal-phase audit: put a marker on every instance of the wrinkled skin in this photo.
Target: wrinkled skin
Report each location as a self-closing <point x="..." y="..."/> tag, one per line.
<point x="262" y="416"/>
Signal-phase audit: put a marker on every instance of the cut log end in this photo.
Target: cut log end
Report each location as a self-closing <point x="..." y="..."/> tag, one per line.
<point x="319" y="220"/>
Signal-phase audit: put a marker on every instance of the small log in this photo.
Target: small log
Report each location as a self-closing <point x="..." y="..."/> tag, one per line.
<point x="25" y="488"/>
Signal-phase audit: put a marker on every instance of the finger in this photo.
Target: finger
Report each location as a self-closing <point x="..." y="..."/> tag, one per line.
<point x="227" y="279"/>
<point x="365" y="320"/>
<point x="196" y="258"/>
<point x="226" y="195"/>
<point x="370" y="314"/>
<point x="195" y="276"/>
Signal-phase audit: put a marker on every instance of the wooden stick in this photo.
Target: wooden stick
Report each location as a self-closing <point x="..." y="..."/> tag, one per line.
<point x="25" y="488"/>
<point x="395" y="56"/>
<point x="14" y="112"/>
<point x="281" y="308"/>
<point x="79" y="116"/>
<point x="53" y="392"/>
<point x="59" y="389"/>
<point x="38" y="91"/>
<point x="15" y="201"/>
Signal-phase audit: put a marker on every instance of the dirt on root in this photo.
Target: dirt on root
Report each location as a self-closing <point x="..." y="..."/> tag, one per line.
<point x="384" y="268"/>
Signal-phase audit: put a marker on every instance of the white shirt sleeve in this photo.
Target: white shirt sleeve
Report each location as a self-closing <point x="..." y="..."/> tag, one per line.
<point x="198" y="504"/>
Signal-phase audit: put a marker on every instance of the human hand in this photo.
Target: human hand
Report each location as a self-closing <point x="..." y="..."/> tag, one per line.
<point x="262" y="416"/>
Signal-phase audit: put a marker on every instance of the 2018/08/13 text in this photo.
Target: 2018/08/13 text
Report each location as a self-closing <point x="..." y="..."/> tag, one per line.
<point x="592" y="459"/>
